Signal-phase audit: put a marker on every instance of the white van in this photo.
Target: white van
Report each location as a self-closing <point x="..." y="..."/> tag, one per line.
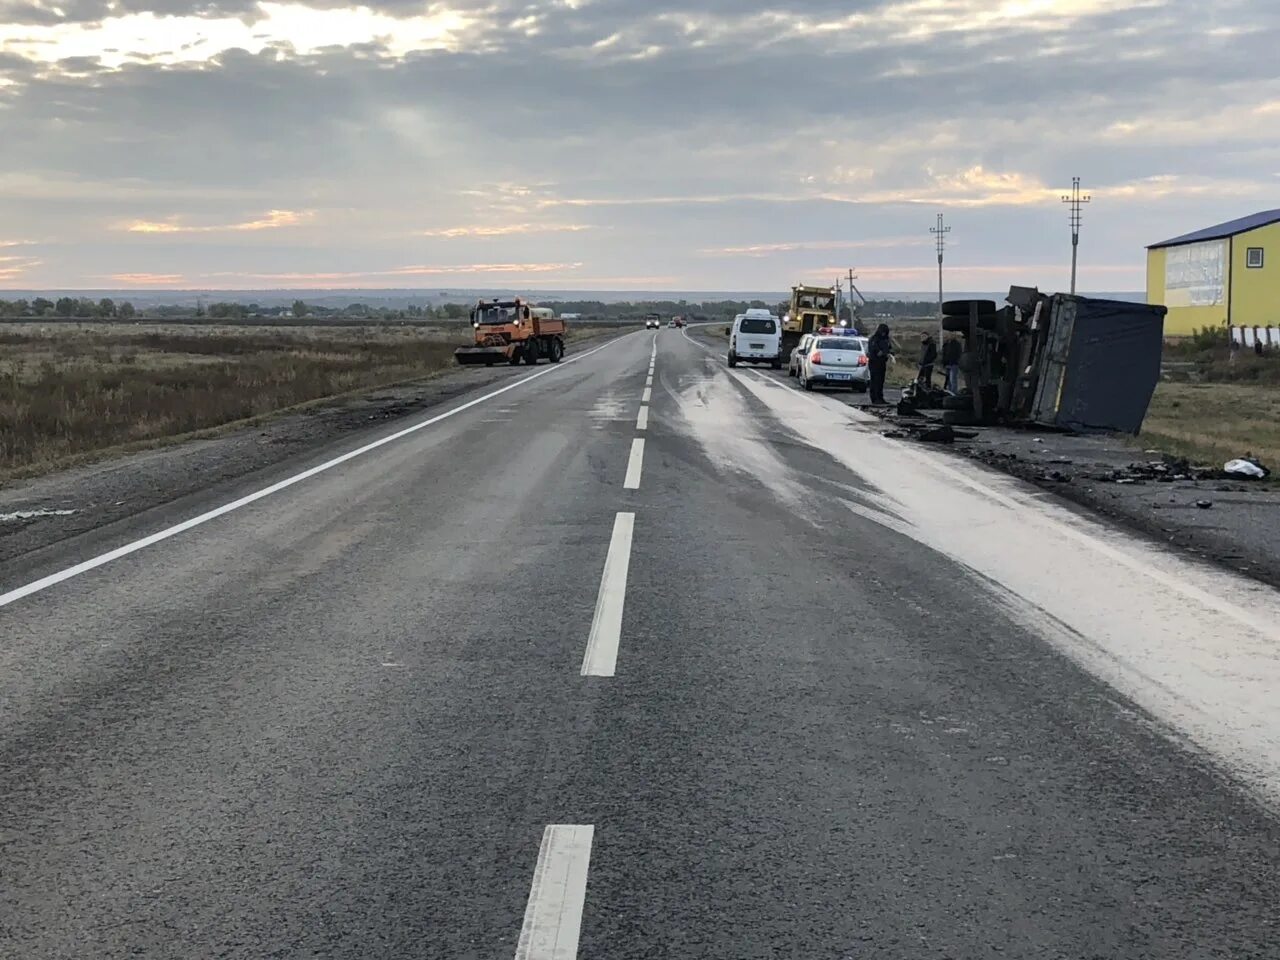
<point x="756" y="337"/>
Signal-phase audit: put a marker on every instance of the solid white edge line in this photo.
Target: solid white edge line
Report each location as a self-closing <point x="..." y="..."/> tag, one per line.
<point x="553" y="916"/>
<point x="635" y="463"/>
<point x="647" y="395"/>
<point x="642" y="419"/>
<point x="601" y="656"/>
<point x="93" y="563"/>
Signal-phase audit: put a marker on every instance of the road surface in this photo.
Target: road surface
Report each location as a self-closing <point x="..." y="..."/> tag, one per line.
<point x="634" y="656"/>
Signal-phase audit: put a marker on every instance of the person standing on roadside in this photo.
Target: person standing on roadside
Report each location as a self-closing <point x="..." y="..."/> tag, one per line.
<point x="928" y="357"/>
<point x="879" y="350"/>
<point x="951" y="351"/>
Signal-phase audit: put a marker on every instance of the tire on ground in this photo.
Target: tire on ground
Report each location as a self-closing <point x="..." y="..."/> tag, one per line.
<point x="962" y="402"/>
<point x="959" y="418"/>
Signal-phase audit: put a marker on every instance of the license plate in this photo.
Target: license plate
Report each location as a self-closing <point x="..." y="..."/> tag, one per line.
<point x="839" y="376"/>
<point x="756" y="346"/>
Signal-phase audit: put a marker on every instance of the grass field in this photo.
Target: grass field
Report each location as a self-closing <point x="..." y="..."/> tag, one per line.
<point x="71" y="390"/>
<point x="1215" y="422"/>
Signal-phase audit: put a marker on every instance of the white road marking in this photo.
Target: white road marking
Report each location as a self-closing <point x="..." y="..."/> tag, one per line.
<point x="642" y="420"/>
<point x="553" y="916"/>
<point x="601" y="657"/>
<point x="649" y="382"/>
<point x="635" y="463"/>
<point x="701" y="346"/>
<point x="93" y="563"/>
<point x="647" y="395"/>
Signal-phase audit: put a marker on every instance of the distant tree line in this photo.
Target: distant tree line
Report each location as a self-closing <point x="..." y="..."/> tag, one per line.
<point x="68" y="307"/>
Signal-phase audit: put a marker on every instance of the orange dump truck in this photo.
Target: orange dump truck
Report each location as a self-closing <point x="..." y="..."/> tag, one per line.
<point x="511" y="331"/>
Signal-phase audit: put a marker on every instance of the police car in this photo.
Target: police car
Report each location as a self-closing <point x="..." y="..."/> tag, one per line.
<point x="833" y="357"/>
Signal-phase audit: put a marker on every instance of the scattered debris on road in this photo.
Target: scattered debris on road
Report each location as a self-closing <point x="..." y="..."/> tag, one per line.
<point x="928" y="432"/>
<point x="33" y="515"/>
<point x="1246" y="467"/>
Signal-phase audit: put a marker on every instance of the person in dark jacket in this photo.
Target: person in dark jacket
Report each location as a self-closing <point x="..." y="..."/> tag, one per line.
<point x="879" y="350"/>
<point x="928" y="356"/>
<point x="951" y="350"/>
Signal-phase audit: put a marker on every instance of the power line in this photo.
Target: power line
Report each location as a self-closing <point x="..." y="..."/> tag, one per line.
<point x="1077" y="200"/>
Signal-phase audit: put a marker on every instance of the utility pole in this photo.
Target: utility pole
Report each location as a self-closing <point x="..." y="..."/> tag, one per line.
<point x="837" y="301"/>
<point x="940" y="238"/>
<point x="1076" y="200"/>
<point x="852" y="290"/>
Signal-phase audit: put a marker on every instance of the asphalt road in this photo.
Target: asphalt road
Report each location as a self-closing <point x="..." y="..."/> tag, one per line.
<point x="515" y="685"/>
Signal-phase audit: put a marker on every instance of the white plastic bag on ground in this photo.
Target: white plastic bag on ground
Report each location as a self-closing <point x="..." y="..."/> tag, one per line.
<point x="1245" y="468"/>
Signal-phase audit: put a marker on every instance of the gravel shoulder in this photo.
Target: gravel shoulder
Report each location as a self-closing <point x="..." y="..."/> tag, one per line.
<point x="91" y="501"/>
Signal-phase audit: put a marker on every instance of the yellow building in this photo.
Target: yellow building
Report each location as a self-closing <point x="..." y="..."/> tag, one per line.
<point x="1222" y="276"/>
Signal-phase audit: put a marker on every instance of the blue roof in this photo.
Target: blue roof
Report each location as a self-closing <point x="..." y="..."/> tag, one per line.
<point x="1223" y="230"/>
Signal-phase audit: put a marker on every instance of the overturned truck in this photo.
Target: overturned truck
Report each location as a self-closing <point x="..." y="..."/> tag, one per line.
<point x="1075" y="363"/>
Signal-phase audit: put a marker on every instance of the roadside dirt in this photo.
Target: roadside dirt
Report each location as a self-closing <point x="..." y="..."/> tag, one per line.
<point x="39" y="512"/>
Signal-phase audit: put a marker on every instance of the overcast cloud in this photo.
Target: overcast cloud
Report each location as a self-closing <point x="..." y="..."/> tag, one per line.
<point x="728" y="144"/>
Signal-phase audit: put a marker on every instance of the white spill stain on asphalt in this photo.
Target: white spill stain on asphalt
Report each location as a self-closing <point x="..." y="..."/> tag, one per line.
<point x="33" y="515"/>
<point x="610" y="407"/>
<point x="718" y="418"/>
<point x="1197" y="647"/>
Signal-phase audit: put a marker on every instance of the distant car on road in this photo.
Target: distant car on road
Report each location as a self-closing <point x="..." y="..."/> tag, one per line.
<point x="672" y="324"/>
<point x="835" y="362"/>
<point x="679" y="321"/>
<point x="653" y="322"/>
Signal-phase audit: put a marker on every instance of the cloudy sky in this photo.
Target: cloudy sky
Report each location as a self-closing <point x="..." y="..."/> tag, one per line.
<point x="616" y="144"/>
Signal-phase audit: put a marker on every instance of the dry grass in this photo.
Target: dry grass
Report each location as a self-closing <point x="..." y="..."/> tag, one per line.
<point x="1215" y="422"/>
<point x="71" y="390"/>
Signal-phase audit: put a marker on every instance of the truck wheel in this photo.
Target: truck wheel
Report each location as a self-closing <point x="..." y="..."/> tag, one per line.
<point x="733" y="359"/>
<point x="777" y="364"/>
<point x="960" y="308"/>
<point x="531" y="352"/>
<point x="986" y="321"/>
<point x="557" y="350"/>
<point x="514" y="359"/>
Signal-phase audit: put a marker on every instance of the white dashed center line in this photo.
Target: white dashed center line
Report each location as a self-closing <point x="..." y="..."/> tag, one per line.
<point x="553" y="917"/>
<point x="601" y="657"/>
<point x="635" y="463"/>
<point x="642" y="421"/>
<point x="647" y="395"/>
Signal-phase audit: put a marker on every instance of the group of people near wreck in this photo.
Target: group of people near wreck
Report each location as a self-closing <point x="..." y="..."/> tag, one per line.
<point x="880" y="350"/>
